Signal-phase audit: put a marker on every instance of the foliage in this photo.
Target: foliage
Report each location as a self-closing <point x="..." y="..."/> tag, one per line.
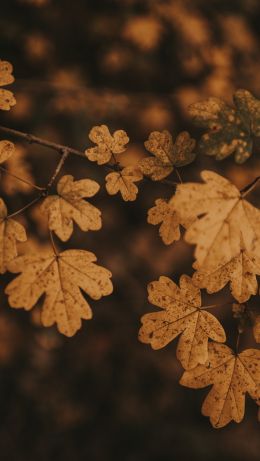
<point x="223" y="226"/>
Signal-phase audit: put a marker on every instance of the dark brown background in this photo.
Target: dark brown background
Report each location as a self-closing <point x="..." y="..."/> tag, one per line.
<point x="134" y="65"/>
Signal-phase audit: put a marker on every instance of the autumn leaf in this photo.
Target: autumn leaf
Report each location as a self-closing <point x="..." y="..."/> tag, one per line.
<point x="240" y="271"/>
<point x="11" y="232"/>
<point x="6" y="150"/>
<point x="232" y="376"/>
<point x="61" y="277"/>
<point x="182" y="314"/>
<point x="166" y="154"/>
<point x="107" y="144"/>
<point x="231" y="130"/>
<point x="226" y="223"/>
<point x="7" y="99"/>
<point x="165" y="214"/>
<point x="69" y="205"/>
<point x="124" y="182"/>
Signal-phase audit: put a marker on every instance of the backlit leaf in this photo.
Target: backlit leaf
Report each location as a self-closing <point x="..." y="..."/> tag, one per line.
<point x="61" y="278"/>
<point x="182" y="314"/>
<point x="231" y="376"/>
<point x="69" y="206"/>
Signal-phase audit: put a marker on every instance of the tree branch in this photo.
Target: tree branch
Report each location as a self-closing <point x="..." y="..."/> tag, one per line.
<point x="60" y="148"/>
<point x="31" y="139"/>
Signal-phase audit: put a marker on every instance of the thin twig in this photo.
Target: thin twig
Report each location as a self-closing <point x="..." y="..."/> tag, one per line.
<point x="238" y="341"/>
<point x="249" y="187"/>
<point x="60" y="148"/>
<point x="25" y="207"/>
<point x="31" y="139"/>
<point x="34" y="186"/>
<point x="178" y="174"/>
<point x="65" y="154"/>
<point x="53" y="244"/>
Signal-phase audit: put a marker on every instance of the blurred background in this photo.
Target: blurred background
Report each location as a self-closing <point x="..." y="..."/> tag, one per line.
<point x="133" y="65"/>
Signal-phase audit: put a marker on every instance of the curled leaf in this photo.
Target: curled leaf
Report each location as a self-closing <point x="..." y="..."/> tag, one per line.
<point x="69" y="206"/>
<point x="124" y="182"/>
<point x="107" y="144"/>
<point x="61" y="278"/>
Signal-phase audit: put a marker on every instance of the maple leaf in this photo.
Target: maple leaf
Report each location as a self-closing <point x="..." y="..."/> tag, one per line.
<point x="7" y="99"/>
<point x="226" y="223"/>
<point x="124" y="182"/>
<point x="165" y="214"/>
<point x="240" y="271"/>
<point x="166" y="154"/>
<point x="232" y="376"/>
<point x="69" y="205"/>
<point x="107" y="144"/>
<point x="231" y="130"/>
<point x="6" y="150"/>
<point x="182" y="314"/>
<point x="10" y="232"/>
<point x="61" y="277"/>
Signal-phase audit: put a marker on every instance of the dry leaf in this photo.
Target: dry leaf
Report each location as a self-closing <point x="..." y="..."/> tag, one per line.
<point x="163" y="212"/>
<point x="256" y="329"/>
<point x="7" y="99"/>
<point x="232" y="376"/>
<point x="226" y="223"/>
<point x="240" y="271"/>
<point x="107" y="144"/>
<point x="166" y="154"/>
<point x="6" y="150"/>
<point x="11" y="232"/>
<point x="182" y="314"/>
<point x="18" y="166"/>
<point x="61" y="277"/>
<point x="69" y="205"/>
<point x="231" y="130"/>
<point x="124" y="182"/>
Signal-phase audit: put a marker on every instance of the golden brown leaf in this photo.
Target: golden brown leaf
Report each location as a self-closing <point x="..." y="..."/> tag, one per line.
<point x="182" y="314"/>
<point x="69" y="205"/>
<point x="107" y="144"/>
<point x="165" y="214"/>
<point x="7" y="99"/>
<point x="240" y="271"/>
<point x="11" y="232"/>
<point x="6" y="150"/>
<point x="61" y="278"/>
<point x="226" y="223"/>
<point x="124" y="182"/>
<point x="232" y="376"/>
<point x="166" y="154"/>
